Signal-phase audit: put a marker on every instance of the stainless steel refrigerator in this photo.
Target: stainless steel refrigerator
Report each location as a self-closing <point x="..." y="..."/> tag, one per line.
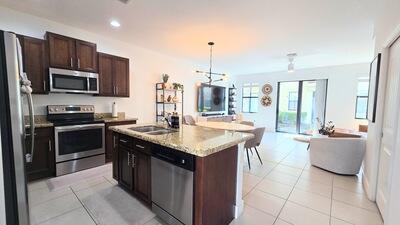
<point x="15" y="96"/>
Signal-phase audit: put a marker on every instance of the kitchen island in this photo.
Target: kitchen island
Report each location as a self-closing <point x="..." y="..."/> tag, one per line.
<point x="188" y="176"/>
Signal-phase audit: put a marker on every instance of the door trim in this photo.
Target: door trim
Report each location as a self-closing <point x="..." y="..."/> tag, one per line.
<point x="391" y="206"/>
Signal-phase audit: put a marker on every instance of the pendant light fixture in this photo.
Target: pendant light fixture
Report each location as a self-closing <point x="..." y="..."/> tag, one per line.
<point x="209" y="74"/>
<point x="291" y="57"/>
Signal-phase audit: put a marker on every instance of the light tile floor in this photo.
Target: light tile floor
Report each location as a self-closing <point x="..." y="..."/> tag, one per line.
<point x="284" y="190"/>
<point x="291" y="191"/>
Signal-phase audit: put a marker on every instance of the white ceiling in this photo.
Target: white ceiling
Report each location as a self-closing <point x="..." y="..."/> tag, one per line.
<point x="251" y="36"/>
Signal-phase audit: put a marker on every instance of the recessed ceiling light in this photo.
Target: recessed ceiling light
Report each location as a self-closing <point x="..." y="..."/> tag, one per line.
<point x="115" y="23"/>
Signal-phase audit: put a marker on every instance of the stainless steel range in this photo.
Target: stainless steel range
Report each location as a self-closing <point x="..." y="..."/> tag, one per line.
<point x="79" y="137"/>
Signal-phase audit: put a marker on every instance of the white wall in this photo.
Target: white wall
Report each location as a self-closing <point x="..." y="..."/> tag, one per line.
<point x="341" y="98"/>
<point x="146" y="68"/>
<point x="386" y="28"/>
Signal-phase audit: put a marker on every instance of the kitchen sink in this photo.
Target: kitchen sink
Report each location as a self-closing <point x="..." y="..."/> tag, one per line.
<point x="145" y="129"/>
<point x="160" y="132"/>
<point x="152" y="130"/>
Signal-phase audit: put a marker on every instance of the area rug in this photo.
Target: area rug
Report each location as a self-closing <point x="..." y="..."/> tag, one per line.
<point x="115" y="206"/>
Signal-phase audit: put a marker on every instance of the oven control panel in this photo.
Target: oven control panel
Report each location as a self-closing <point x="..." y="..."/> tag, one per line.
<point x="61" y="109"/>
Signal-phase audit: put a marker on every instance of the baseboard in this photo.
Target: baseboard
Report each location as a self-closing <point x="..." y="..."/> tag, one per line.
<point x="366" y="185"/>
<point x="239" y="208"/>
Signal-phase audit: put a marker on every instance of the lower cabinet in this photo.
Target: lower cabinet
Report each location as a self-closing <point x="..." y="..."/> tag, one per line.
<point x="43" y="163"/>
<point x="109" y="138"/>
<point x="142" y="175"/>
<point x="126" y="170"/>
<point x="134" y="167"/>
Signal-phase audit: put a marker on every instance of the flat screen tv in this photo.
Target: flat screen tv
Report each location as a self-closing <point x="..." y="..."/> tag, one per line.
<point x="211" y="98"/>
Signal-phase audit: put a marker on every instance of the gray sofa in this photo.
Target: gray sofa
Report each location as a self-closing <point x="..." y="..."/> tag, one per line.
<point x="341" y="155"/>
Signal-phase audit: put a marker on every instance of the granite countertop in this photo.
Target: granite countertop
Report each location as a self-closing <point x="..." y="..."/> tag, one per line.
<point x="41" y="120"/>
<point x="108" y="118"/>
<point x="195" y="140"/>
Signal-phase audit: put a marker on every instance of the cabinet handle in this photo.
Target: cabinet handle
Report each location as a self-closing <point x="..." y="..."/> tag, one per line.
<point x="140" y="146"/>
<point x="129" y="159"/>
<point x="116" y="89"/>
<point x="79" y="63"/>
<point x="71" y="62"/>
<point x="28" y="135"/>
<point x="133" y="160"/>
<point x="123" y="141"/>
<point x="114" y="142"/>
<point x="44" y="85"/>
<point x="49" y="145"/>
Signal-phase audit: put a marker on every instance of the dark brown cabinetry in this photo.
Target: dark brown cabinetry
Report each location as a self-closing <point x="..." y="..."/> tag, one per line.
<point x="111" y="139"/>
<point x="135" y="166"/>
<point x="106" y="78"/>
<point x="142" y="175"/>
<point x="70" y="53"/>
<point x="35" y="63"/>
<point x="86" y="56"/>
<point x="43" y="163"/>
<point x="121" y="76"/>
<point x="113" y="75"/>
<point x="114" y="155"/>
<point x="126" y="169"/>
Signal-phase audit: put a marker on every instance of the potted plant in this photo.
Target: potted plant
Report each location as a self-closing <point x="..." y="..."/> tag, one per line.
<point x="177" y="86"/>
<point x="326" y="129"/>
<point x="165" y="77"/>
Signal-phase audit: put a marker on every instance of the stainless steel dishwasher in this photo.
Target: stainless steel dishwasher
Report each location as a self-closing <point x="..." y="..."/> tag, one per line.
<point x="172" y="185"/>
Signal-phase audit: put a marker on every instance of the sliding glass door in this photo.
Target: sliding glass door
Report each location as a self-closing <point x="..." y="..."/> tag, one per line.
<point x="308" y="107"/>
<point x="300" y="103"/>
<point x="288" y="94"/>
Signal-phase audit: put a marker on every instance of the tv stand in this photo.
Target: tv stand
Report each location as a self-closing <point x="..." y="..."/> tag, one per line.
<point x="212" y="114"/>
<point x="217" y="117"/>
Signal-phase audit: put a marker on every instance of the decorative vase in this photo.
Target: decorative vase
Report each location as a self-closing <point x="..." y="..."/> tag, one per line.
<point x="175" y="99"/>
<point x="169" y="98"/>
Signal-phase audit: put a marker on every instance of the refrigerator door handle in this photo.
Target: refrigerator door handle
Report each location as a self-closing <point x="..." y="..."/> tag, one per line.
<point x="27" y="90"/>
<point x="29" y="156"/>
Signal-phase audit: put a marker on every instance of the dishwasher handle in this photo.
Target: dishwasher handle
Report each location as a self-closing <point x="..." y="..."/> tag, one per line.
<point x="165" y="158"/>
<point x="174" y="157"/>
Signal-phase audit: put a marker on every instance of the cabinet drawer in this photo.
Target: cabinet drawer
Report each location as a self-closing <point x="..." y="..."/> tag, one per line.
<point x="142" y="146"/>
<point x="125" y="140"/>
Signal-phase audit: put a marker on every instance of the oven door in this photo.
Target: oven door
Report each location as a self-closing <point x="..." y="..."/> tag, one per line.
<point x="78" y="141"/>
<point x="69" y="81"/>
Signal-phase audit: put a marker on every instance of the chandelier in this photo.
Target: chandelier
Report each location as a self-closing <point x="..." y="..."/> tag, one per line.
<point x="209" y="74"/>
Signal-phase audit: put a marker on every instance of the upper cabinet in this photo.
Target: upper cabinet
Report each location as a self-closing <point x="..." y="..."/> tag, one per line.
<point x="86" y="54"/>
<point x="59" y="51"/>
<point x="121" y="76"/>
<point x="113" y="75"/>
<point x="35" y="63"/>
<point x="70" y="53"/>
<point x="106" y="77"/>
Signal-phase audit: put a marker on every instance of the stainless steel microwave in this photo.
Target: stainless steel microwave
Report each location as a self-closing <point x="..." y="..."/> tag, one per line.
<point x="70" y="81"/>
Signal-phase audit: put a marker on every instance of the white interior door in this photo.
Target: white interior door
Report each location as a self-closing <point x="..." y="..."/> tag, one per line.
<point x="391" y="114"/>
